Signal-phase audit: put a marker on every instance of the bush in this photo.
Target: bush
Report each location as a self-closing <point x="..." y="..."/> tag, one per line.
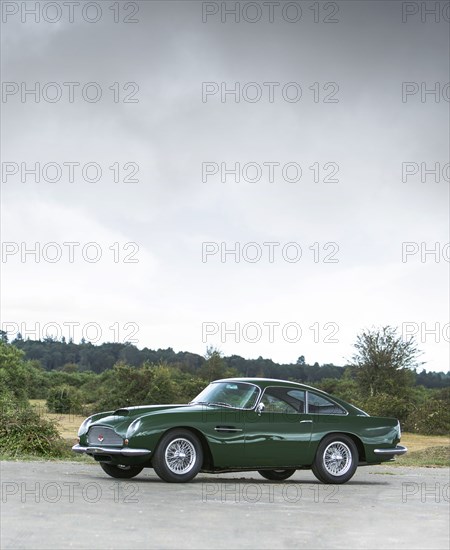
<point x="430" y="418"/>
<point x="24" y="432"/>
<point x="64" y="400"/>
<point x="386" y="405"/>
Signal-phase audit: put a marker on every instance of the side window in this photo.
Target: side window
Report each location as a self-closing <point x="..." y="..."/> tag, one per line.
<point x="317" y="404"/>
<point x="283" y="400"/>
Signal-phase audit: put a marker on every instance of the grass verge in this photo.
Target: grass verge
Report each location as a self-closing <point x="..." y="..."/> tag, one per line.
<point x="429" y="451"/>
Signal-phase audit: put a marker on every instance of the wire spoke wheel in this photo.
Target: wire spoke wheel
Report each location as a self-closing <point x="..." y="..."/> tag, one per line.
<point x="337" y="458"/>
<point x="180" y="456"/>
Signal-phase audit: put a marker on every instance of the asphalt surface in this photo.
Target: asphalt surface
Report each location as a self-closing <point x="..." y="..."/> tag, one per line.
<point x="75" y="505"/>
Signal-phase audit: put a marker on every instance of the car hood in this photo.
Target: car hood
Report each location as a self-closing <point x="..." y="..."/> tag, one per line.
<point x="120" y="419"/>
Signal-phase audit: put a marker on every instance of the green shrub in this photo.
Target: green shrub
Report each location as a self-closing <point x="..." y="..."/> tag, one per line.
<point x="429" y="418"/>
<point x="386" y="405"/>
<point x="64" y="400"/>
<point x="23" y="432"/>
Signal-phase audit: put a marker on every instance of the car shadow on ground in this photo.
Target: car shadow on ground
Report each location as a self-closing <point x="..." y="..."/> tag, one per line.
<point x="150" y="478"/>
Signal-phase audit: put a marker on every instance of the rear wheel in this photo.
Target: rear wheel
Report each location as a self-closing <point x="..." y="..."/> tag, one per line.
<point x="276" y="475"/>
<point x="121" y="471"/>
<point x="179" y="456"/>
<point x="336" y="459"/>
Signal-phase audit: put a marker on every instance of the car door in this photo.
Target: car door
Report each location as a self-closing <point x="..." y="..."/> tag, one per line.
<point x="280" y="434"/>
<point x="224" y="429"/>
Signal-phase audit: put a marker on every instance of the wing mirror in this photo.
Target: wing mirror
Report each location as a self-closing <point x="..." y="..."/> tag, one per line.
<point x="260" y="408"/>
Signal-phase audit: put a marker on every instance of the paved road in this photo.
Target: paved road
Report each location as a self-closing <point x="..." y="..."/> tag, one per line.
<point x="75" y="505"/>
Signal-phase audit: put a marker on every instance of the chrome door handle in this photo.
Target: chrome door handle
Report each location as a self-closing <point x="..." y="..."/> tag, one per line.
<point x="305" y="421"/>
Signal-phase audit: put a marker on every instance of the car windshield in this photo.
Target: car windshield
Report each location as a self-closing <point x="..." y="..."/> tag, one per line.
<point x="238" y="395"/>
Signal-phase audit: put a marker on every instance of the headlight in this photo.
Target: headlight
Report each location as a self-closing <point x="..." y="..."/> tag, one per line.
<point x="133" y="428"/>
<point x="84" y="426"/>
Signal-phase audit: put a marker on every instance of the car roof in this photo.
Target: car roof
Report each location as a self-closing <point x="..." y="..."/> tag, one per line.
<point x="265" y="382"/>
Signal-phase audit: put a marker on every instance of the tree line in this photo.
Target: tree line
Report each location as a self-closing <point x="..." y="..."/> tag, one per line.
<point x="56" y="355"/>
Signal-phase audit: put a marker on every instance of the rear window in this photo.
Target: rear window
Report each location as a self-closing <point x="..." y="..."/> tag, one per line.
<point x="317" y="404"/>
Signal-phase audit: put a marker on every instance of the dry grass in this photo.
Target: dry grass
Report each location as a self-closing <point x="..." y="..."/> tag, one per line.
<point x="68" y="424"/>
<point x="424" y="450"/>
<point x="417" y="442"/>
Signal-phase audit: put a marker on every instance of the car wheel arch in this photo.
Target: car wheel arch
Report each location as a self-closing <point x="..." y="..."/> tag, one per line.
<point x="208" y="462"/>
<point x="356" y="440"/>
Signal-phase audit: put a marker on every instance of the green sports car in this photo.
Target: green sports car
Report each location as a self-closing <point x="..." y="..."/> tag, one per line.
<point x="242" y="424"/>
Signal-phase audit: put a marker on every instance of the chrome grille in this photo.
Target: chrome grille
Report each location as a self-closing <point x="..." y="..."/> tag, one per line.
<point x="99" y="436"/>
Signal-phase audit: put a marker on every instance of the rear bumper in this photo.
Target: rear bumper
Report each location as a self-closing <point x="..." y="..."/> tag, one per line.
<point x="399" y="450"/>
<point x="110" y="451"/>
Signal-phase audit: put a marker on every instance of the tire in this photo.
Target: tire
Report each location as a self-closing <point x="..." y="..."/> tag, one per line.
<point x="122" y="471"/>
<point x="336" y="459"/>
<point x="276" y="475"/>
<point x="178" y="457"/>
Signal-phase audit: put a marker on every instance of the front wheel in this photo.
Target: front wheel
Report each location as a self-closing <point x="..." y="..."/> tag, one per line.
<point x="276" y="475"/>
<point x="121" y="471"/>
<point x="336" y="459"/>
<point x="178" y="457"/>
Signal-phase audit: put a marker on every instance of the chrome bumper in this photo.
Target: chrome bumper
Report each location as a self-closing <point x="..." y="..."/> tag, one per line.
<point x="123" y="451"/>
<point x="399" y="450"/>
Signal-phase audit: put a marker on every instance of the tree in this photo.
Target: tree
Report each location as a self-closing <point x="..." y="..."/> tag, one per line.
<point x="215" y="366"/>
<point x="383" y="362"/>
<point x="163" y="388"/>
<point x="301" y="360"/>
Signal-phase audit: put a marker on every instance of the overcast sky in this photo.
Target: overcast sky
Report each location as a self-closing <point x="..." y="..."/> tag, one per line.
<point x="362" y="229"/>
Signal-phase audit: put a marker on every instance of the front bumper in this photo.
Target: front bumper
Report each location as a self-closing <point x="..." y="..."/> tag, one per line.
<point x="399" y="450"/>
<point x="112" y="451"/>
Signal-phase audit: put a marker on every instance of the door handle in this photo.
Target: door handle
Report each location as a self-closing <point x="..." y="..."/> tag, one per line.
<point x="305" y="421"/>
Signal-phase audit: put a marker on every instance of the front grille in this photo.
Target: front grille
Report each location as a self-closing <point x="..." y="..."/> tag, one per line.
<point x="99" y="436"/>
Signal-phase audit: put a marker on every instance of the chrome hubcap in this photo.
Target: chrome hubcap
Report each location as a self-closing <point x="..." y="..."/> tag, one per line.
<point x="180" y="456"/>
<point x="337" y="458"/>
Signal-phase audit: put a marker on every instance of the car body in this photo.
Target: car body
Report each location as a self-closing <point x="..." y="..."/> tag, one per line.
<point x="242" y="424"/>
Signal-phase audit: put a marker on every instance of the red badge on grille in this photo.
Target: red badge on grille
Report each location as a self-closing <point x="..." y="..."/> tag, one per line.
<point x="100" y="438"/>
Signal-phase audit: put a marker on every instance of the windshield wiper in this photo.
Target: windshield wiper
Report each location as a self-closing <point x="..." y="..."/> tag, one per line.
<point x="212" y="404"/>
